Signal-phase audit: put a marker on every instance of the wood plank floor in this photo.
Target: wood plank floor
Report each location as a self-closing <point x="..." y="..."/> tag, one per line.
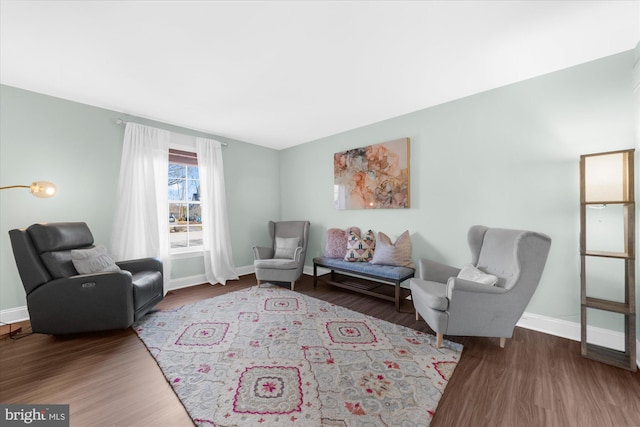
<point x="109" y="379"/>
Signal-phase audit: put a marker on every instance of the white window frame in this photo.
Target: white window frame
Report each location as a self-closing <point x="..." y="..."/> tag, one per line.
<point x="184" y="145"/>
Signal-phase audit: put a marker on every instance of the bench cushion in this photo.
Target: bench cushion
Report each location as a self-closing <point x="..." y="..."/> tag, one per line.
<point x="387" y="272"/>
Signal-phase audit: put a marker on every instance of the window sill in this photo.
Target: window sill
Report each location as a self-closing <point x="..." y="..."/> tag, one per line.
<point x="187" y="253"/>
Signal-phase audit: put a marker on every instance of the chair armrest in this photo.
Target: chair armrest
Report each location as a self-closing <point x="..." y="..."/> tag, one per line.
<point x="297" y="253"/>
<point x="262" y="252"/>
<point x="435" y="272"/>
<point x="458" y="286"/>
<point x="142" y="264"/>
<point x="117" y="281"/>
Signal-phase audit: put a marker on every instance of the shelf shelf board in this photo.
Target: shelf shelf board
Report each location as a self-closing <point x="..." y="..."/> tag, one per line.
<point x="605" y="254"/>
<point x="610" y="356"/>
<point x="609" y="202"/>
<point x="613" y="306"/>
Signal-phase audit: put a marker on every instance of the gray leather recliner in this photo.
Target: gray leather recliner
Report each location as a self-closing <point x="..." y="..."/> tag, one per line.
<point x="62" y="301"/>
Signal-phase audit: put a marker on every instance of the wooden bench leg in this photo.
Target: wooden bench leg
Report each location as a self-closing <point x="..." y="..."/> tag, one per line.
<point x="315" y="275"/>
<point x="397" y="296"/>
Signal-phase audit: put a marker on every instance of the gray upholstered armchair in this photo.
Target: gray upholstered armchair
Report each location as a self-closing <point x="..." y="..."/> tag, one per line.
<point x="453" y="305"/>
<point x="283" y="260"/>
<point x="61" y="300"/>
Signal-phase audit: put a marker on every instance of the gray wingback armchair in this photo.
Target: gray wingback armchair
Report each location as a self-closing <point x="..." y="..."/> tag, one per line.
<point x="454" y="306"/>
<point x="62" y="301"/>
<point x="283" y="260"/>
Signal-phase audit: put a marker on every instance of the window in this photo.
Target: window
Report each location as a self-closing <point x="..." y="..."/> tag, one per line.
<point x="185" y="222"/>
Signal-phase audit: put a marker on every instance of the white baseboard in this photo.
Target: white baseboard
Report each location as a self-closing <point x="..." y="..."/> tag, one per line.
<point x="571" y="330"/>
<point x="535" y="322"/>
<point x="243" y="271"/>
<point x="18" y="314"/>
<point x="550" y="325"/>
<point x="12" y="315"/>
<point x="556" y="327"/>
<point x="308" y="270"/>
<point x="185" y="282"/>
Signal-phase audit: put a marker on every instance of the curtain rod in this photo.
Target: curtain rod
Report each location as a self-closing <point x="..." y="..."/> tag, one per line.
<point x="123" y="122"/>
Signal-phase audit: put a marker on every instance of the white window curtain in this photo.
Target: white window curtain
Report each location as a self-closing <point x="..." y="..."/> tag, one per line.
<point x="218" y="257"/>
<point x="141" y="222"/>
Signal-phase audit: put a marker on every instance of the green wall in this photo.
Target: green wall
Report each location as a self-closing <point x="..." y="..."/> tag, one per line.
<point x="504" y="158"/>
<point x="78" y="147"/>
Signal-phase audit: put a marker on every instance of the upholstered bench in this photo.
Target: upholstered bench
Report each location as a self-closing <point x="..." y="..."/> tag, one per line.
<point x="366" y="278"/>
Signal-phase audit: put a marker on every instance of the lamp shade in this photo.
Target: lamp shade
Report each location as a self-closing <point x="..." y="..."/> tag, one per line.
<point x="43" y="189"/>
<point x="606" y="177"/>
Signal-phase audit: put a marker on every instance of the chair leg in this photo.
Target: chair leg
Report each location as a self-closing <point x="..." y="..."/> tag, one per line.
<point x="502" y="342"/>
<point x="293" y="284"/>
<point x="439" y="340"/>
<point x="417" y="315"/>
<point x="257" y="280"/>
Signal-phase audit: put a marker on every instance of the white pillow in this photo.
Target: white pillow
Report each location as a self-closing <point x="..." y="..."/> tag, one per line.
<point x="286" y="247"/>
<point x="93" y="260"/>
<point x="471" y="273"/>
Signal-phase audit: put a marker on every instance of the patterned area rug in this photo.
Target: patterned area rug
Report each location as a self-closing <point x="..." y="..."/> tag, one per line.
<point x="272" y="357"/>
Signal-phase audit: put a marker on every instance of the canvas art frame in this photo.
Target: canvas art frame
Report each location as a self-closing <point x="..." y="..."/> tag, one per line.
<point x="373" y="177"/>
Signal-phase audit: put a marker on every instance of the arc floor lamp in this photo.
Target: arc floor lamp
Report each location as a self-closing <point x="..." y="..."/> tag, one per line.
<point x="42" y="189"/>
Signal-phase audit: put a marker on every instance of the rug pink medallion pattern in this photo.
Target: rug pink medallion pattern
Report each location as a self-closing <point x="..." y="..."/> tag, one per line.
<point x="272" y="357"/>
<point x="283" y="393"/>
<point x="349" y="334"/>
<point x="282" y="304"/>
<point x="203" y="334"/>
<point x="268" y="390"/>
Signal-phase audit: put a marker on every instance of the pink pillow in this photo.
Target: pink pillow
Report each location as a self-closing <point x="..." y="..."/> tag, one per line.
<point x="337" y="241"/>
<point x="398" y="253"/>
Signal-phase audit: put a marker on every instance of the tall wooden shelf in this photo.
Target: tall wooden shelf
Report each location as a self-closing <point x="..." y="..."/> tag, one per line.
<point x="608" y="179"/>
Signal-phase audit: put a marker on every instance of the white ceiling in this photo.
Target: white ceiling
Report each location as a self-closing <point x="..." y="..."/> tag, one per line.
<point x="282" y="73"/>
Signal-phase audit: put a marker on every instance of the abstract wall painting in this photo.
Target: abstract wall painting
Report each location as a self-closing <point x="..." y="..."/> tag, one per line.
<point x="372" y="177"/>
